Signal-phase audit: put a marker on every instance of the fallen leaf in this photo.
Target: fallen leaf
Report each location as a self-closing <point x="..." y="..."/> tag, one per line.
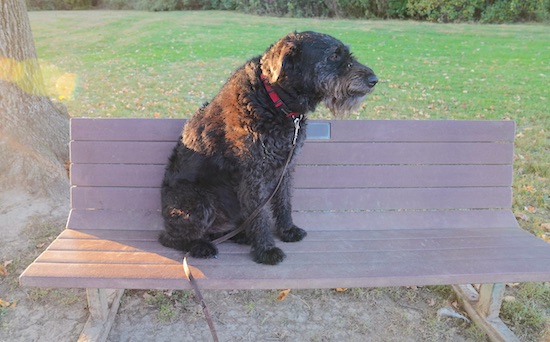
<point x="546" y="226"/>
<point x="282" y="295"/>
<point x="531" y="209"/>
<point x="40" y="245"/>
<point x="3" y="271"/>
<point x="529" y="188"/>
<point x="341" y="289"/>
<point x="431" y="302"/>
<point x="4" y="304"/>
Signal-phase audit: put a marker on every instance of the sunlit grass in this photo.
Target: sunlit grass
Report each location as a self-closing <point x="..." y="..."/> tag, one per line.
<point x="130" y="61"/>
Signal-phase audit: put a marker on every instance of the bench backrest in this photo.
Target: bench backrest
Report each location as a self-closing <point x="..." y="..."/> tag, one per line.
<point x="385" y="203"/>
<point x="118" y="164"/>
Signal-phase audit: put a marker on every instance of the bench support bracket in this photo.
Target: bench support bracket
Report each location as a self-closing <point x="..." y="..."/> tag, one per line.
<point x="484" y="308"/>
<point x="103" y="305"/>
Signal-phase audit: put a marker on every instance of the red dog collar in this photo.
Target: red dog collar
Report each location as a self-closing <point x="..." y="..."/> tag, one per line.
<point x="277" y="100"/>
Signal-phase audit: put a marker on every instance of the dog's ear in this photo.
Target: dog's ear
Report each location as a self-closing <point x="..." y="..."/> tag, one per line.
<point x="277" y="58"/>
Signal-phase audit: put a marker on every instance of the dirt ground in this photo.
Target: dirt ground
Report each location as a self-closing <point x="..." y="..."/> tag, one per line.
<point x="28" y="225"/>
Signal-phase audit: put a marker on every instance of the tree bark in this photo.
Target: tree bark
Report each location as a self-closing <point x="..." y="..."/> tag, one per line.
<point x="34" y="135"/>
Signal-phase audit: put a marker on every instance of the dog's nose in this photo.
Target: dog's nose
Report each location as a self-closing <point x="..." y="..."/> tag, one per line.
<point x="372" y="80"/>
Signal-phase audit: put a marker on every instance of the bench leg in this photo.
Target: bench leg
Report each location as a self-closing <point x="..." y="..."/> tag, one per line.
<point x="484" y="308"/>
<point x="103" y="305"/>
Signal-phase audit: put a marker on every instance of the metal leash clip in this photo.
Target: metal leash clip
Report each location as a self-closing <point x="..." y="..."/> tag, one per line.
<point x="296" y="128"/>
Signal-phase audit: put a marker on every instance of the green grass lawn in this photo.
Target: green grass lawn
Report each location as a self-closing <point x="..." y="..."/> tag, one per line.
<point x="144" y="64"/>
<point x="141" y="64"/>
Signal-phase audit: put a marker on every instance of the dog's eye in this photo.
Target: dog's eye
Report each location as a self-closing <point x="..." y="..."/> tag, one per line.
<point x="335" y="57"/>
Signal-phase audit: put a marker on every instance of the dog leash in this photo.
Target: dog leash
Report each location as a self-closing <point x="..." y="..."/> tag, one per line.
<point x="240" y="229"/>
<point x="257" y="211"/>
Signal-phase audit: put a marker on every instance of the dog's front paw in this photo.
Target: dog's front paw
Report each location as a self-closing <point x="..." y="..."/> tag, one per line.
<point x="269" y="256"/>
<point x="292" y="234"/>
<point x="203" y="250"/>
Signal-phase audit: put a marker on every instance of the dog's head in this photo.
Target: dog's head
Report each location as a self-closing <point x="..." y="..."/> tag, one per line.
<point x="319" y="68"/>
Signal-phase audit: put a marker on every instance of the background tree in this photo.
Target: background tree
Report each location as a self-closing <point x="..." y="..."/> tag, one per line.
<point x="34" y="134"/>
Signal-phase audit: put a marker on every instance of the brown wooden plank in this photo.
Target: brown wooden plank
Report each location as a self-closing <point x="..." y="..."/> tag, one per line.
<point x="107" y="257"/>
<point x="402" y="220"/>
<point x="388" y="176"/>
<point x="317" y="199"/>
<point x="406" y="198"/>
<point x="316" y="221"/>
<point x="317" y="246"/>
<point x="411" y="131"/>
<point x="314" y="152"/>
<point x="121" y="129"/>
<point x="125" y="152"/>
<point x="314" y="235"/>
<point x="405" y="153"/>
<point x="115" y="220"/>
<point x="321" y="275"/>
<point x="305" y="258"/>
<point x="130" y="175"/>
<point x="404" y="176"/>
<point x="120" y="240"/>
<point x="115" y="198"/>
<point x="341" y="130"/>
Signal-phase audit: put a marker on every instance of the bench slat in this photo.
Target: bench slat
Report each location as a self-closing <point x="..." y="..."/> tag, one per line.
<point x="342" y="258"/>
<point x="316" y="245"/>
<point x="318" y="221"/>
<point x="349" y="153"/>
<point x="406" y="153"/>
<point x="318" y="199"/>
<point x="126" y="236"/>
<point x="342" y="130"/>
<point x="409" y="176"/>
<point x="324" y="274"/>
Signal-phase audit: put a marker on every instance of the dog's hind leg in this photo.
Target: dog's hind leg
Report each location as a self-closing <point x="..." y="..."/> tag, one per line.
<point x="198" y="248"/>
<point x="188" y="215"/>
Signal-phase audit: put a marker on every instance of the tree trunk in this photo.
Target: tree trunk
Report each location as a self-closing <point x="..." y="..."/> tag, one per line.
<point x="34" y="135"/>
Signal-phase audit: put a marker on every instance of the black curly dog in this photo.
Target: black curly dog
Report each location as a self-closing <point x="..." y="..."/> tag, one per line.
<point x="233" y="150"/>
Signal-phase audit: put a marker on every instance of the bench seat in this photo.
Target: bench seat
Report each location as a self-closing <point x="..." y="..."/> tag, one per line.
<point x="385" y="203"/>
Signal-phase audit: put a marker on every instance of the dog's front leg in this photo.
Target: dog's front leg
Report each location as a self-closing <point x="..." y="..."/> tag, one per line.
<point x="282" y="211"/>
<point x="258" y="231"/>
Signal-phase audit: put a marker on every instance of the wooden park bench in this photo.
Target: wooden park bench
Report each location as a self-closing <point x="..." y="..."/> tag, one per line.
<point x="385" y="203"/>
